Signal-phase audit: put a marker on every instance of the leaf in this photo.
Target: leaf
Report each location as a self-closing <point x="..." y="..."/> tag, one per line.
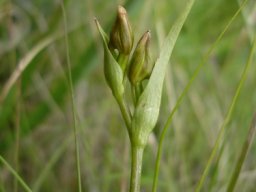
<point x="242" y="156"/>
<point x="15" y="174"/>
<point x="147" y="110"/>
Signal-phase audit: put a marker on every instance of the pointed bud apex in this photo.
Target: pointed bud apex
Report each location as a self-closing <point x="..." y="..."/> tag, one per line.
<point x="140" y="67"/>
<point x="121" y="36"/>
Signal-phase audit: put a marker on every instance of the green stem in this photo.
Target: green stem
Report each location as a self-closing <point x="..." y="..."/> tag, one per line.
<point x="122" y="60"/>
<point x="133" y="92"/>
<point x="246" y="146"/>
<point x="71" y="90"/>
<point x="16" y="175"/>
<point x="126" y="115"/>
<point x="138" y="91"/>
<point x="136" y="167"/>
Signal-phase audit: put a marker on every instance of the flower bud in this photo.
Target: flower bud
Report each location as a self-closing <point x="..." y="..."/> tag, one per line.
<point x="121" y="36"/>
<point x="112" y="70"/>
<point x="140" y="67"/>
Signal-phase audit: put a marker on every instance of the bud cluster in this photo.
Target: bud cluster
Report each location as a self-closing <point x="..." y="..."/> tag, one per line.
<point x="121" y="40"/>
<point x="122" y="65"/>
<point x="121" y="62"/>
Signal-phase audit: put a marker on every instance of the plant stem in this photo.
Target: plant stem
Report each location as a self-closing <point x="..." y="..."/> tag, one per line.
<point x="71" y="89"/>
<point x="16" y="175"/>
<point x="122" y="60"/>
<point x="246" y="146"/>
<point x="138" y="91"/>
<point x="137" y="155"/>
<point x="126" y="114"/>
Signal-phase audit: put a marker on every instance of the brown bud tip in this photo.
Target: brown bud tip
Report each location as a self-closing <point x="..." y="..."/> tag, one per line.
<point x="144" y="40"/>
<point x="121" y="10"/>
<point x="121" y="36"/>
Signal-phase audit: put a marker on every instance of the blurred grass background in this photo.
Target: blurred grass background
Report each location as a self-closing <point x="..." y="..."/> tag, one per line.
<point x="36" y="135"/>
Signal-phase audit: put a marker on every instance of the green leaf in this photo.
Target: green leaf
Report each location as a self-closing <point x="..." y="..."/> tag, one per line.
<point x="112" y="70"/>
<point x="147" y="110"/>
<point x="242" y="156"/>
<point x="15" y="174"/>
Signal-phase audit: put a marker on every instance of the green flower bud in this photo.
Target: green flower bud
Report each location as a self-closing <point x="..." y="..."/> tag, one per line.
<point x="112" y="70"/>
<point x="121" y="36"/>
<point x="140" y="67"/>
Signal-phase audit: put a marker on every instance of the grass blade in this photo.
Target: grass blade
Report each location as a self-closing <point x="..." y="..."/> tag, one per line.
<point x="24" y="62"/>
<point x="70" y="83"/>
<point x="184" y="92"/>
<point x="50" y="164"/>
<point x="227" y="118"/>
<point x="164" y="58"/>
<point x="25" y="186"/>
<point x="243" y="153"/>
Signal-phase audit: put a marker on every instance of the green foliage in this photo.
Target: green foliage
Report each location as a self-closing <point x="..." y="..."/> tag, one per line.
<point x="36" y="135"/>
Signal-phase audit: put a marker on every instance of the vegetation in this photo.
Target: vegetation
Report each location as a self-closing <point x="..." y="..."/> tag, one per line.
<point x="61" y="129"/>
